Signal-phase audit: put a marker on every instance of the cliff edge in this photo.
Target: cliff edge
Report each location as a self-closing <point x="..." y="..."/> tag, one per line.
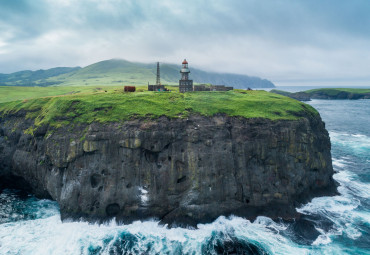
<point x="180" y="170"/>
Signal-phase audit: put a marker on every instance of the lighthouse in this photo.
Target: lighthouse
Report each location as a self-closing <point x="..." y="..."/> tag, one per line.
<point x="185" y="85"/>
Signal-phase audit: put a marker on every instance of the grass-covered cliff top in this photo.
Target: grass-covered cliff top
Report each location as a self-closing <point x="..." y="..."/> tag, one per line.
<point x="113" y="105"/>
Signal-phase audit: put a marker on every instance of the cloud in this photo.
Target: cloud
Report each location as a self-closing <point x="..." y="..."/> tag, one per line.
<point x="277" y="39"/>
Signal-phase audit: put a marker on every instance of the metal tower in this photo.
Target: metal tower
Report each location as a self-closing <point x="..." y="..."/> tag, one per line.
<point x="158" y="82"/>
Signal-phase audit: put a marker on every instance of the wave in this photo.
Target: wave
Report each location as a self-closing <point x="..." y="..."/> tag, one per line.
<point x="43" y="232"/>
<point x="357" y="143"/>
<point x="51" y="236"/>
<point x="48" y="235"/>
<point x="339" y="164"/>
<point x="343" y="211"/>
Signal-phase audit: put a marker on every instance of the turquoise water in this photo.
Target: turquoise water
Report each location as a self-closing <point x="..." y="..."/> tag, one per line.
<point x="331" y="225"/>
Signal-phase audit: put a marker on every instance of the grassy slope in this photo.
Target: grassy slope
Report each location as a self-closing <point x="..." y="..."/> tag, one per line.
<point x="115" y="106"/>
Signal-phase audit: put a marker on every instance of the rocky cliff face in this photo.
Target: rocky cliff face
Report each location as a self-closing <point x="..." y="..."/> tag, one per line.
<point x="177" y="170"/>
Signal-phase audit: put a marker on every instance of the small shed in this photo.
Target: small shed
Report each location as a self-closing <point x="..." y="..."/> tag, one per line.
<point x="130" y="89"/>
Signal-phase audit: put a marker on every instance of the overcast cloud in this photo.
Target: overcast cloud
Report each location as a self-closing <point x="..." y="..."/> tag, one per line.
<point x="286" y="41"/>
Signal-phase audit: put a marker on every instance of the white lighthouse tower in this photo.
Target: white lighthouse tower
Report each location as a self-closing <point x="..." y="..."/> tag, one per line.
<point x="185" y="85"/>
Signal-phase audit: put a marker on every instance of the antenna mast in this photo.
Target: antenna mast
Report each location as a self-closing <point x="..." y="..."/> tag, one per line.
<point x="158" y="82"/>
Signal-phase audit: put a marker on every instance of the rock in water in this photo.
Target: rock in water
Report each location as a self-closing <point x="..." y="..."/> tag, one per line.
<point x="182" y="171"/>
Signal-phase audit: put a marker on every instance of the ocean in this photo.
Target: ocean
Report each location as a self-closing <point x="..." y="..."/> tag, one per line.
<point x="330" y="225"/>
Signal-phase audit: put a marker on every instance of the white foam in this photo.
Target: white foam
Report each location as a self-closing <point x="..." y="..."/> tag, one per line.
<point x="322" y="240"/>
<point x="342" y="161"/>
<point x="51" y="236"/>
<point x="322" y="205"/>
<point x="341" y="210"/>
<point x="352" y="232"/>
<point x="362" y="216"/>
<point x="339" y="163"/>
<point x="358" y="143"/>
<point x="143" y="195"/>
<point x="350" y="184"/>
<point x="359" y="135"/>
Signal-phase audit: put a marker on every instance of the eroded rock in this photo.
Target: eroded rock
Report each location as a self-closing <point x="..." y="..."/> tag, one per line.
<point x="177" y="170"/>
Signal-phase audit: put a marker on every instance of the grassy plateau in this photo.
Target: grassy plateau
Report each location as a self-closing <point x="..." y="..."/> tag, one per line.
<point x="113" y="105"/>
<point x="12" y="93"/>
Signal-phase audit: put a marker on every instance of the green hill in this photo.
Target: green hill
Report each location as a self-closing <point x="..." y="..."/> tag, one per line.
<point x="117" y="72"/>
<point x="35" y="78"/>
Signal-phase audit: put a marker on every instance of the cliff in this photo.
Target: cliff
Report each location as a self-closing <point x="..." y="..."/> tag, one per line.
<point x="181" y="170"/>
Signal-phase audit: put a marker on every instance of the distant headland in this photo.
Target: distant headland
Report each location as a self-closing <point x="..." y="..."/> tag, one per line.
<point x="327" y="93"/>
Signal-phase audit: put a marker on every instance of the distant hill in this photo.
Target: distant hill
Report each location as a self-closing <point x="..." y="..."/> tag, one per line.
<point x="35" y="78"/>
<point x="326" y="93"/>
<point x="117" y="71"/>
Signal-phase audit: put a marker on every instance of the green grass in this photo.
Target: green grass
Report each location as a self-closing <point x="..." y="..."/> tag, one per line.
<point x="336" y="91"/>
<point x="116" y="106"/>
<point x="13" y="93"/>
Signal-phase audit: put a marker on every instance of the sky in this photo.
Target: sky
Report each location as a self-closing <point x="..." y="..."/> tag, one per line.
<point x="290" y="42"/>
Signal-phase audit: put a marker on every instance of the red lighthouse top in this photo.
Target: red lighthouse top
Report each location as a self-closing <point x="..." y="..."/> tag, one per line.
<point x="184" y="62"/>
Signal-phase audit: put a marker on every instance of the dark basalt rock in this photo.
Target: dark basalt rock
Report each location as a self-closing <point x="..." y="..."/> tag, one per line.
<point x="181" y="171"/>
<point x="221" y="244"/>
<point x="112" y="210"/>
